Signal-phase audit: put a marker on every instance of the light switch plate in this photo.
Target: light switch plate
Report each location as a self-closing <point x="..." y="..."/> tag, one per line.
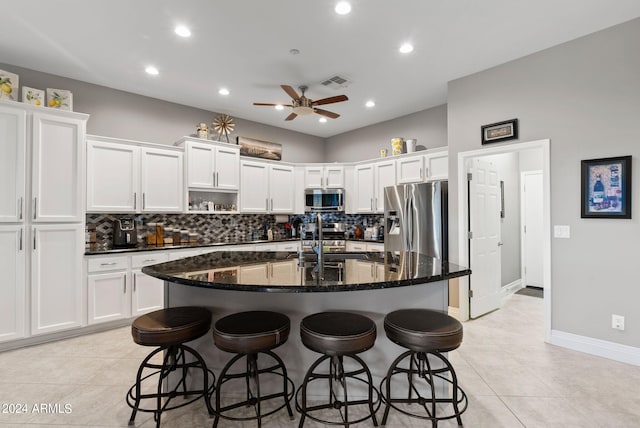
<point x="561" y="231"/>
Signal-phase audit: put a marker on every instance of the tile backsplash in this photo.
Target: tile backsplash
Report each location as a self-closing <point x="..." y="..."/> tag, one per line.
<point x="215" y="228"/>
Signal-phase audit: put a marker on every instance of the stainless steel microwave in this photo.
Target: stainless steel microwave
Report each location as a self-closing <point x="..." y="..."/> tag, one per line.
<point x="324" y="200"/>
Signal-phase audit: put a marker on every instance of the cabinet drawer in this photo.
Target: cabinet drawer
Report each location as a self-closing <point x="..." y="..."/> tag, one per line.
<point x="146" y="259"/>
<point x="103" y="264"/>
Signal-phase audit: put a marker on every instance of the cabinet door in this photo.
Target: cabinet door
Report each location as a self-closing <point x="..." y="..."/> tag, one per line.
<point x="285" y="273"/>
<point x="313" y="177"/>
<point x="437" y="166"/>
<point x="109" y="297"/>
<point x="226" y="168"/>
<point x="56" y="277"/>
<point x="200" y="165"/>
<point x="12" y="164"/>
<point x="148" y="293"/>
<point x="364" y="183"/>
<point x="57" y="181"/>
<point x="375" y="247"/>
<point x="112" y="177"/>
<point x="281" y="189"/>
<point x="162" y="180"/>
<point x="411" y="169"/>
<point x="385" y="173"/>
<point x="255" y="275"/>
<point x="356" y="246"/>
<point x="359" y="272"/>
<point x="334" y="176"/>
<point x="12" y="287"/>
<point x="254" y="194"/>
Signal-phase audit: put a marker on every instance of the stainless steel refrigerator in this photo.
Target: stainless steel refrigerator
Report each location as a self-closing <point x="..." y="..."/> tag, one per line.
<point x="415" y="218"/>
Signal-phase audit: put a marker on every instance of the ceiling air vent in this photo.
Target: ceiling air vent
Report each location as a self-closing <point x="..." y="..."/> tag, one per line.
<point x="336" y="82"/>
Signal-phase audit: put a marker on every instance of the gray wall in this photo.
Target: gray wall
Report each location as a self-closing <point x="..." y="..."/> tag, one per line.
<point x="584" y="96"/>
<point x="429" y="127"/>
<point x="125" y="115"/>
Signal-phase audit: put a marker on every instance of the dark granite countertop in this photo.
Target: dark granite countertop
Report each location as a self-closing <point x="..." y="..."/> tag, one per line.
<point x="107" y="248"/>
<point x="281" y="272"/>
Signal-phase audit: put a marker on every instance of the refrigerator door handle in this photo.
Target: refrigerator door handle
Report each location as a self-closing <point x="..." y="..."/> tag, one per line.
<point x="408" y="224"/>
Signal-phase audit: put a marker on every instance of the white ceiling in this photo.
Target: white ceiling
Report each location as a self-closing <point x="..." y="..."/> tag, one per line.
<point x="244" y="45"/>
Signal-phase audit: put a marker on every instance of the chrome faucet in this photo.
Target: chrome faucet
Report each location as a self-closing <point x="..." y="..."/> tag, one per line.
<point x="317" y="247"/>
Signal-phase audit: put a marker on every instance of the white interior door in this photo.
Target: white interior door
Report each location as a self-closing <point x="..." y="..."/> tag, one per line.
<point x="484" y="216"/>
<point x="532" y="225"/>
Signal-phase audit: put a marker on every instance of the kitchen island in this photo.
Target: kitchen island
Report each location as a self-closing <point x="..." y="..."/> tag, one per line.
<point x="372" y="284"/>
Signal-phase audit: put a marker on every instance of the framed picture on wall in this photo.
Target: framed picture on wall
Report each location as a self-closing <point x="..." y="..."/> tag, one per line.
<point x="500" y="131"/>
<point x="606" y="188"/>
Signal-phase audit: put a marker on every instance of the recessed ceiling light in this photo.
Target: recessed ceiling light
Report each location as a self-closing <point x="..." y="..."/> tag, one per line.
<point x="343" y="8"/>
<point x="152" y="70"/>
<point x="223" y="91"/>
<point x="370" y="104"/>
<point x="182" y="31"/>
<point x="322" y="120"/>
<point x="279" y="107"/>
<point x="406" y="48"/>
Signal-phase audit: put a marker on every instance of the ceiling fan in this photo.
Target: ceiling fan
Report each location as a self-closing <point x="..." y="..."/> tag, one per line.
<point x="303" y="106"/>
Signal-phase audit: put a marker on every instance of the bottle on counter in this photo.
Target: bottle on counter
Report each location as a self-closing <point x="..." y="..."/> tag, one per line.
<point x="167" y="236"/>
<point x="151" y="234"/>
<point x="177" y="237"/>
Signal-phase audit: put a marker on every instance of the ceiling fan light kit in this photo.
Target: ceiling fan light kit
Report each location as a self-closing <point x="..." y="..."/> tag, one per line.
<point x="303" y="106"/>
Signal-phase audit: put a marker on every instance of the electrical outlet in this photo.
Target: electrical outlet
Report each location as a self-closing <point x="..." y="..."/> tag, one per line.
<point x="617" y="322"/>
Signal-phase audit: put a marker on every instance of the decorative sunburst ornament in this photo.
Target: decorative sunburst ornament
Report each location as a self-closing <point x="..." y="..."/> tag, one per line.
<point x="223" y="124"/>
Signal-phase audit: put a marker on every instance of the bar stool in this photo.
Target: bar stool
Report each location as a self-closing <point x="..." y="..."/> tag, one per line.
<point x="337" y="335"/>
<point x="425" y="333"/>
<point x="169" y="329"/>
<point x="249" y="334"/>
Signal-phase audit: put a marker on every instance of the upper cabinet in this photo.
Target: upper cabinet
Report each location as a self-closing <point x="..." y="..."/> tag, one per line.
<point x="423" y="167"/>
<point x="13" y="125"/>
<point x="212" y="167"/>
<point x="266" y="187"/>
<point x="124" y="177"/>
<point x="324" y="176"/>
<point x="370" y="180"/>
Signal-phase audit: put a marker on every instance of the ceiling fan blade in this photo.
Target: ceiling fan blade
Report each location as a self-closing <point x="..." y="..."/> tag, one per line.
<point x="327" y="113"/>
<point x="330" y="100"/>
<point x="272" y="104"/>
<point x="291" y="116"/>
<point x="290" y="91"/>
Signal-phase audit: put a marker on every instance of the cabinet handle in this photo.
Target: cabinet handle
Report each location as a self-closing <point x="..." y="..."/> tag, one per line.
<point x="271" y="204"/>
<point x="134" y="282"/>
<point x="135" y="200"/>
<point x="426" y="173"/>
<point x="144" y="202"/>
<point x="148" y="260"/>
<point x="108" y="264"/>
<point x="214" y="179"/>
<point x="371" y="204"/>
<point x="267" y="202"/>
<point x="34" y="239"/>
<point x="35" y="207"/>
<point x="420" y="174"/>
<point x="125" y="284"/>
<point x="20" y="246"/>
<point x="20" y="208"/>
<point x="217" y="179"/>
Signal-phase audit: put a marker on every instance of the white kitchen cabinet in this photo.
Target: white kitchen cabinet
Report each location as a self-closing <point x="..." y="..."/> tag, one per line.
<point x="13" y="125"/>
<point x="113" y="177"/>
<point x="288" y="246"/>
<point x="255" y="274"/>
<point x="324" y="176"/>
<point x="375" y="247"/>
<point x="108" y="296"/>
<point x="411" y="169"/>
<point x="57" y="165"/>
<point x="385" y="175"/>
<point x="161" y="180"/>
<point x="281" y="189"/>
<point x="266" y="246"/>
<point x="147" y="292"/>
<point x="356" y="246"/>
<point x="13" y="285"/>
<point x="364" y="183"/>
<point x="212" y="167"/>
<point x="360" y="272"/>
<point x="266" y="188"/>
<point x="56" y="277"/>
<point x="437" y="165"/>
<point x="285" y="273"/>
<point x="128" y="177"/>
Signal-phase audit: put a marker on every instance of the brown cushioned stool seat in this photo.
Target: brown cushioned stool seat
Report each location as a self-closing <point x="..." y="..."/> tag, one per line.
<point x="427" y="334"/>
<point x="337" y="335"/>
<point x="248" y="335"/>
<point x="168" y="330"/>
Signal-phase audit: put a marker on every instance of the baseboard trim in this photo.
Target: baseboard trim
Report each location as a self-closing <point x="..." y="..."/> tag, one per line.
<point x="510" y="289"/>
<point x="602" y="348"/>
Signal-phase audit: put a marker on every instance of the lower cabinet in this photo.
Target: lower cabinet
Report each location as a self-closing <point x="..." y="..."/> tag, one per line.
<point x="13" y="285"/>
<point x="117" y="288"/>
<point x="365" y="246"/>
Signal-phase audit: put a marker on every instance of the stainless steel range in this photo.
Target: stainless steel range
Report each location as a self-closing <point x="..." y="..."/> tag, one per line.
<point x="333" y="237"/>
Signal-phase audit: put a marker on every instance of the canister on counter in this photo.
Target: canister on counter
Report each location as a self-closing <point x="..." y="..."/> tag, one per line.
<point x="151" y="233"/>
<point x="177" y="237"/>
<point x="193" y="237"/>
<point x="184" y="236"/>
<point x="397" y="146"/>
<point x="168" y="236"/>
<point x="159" y="234"/>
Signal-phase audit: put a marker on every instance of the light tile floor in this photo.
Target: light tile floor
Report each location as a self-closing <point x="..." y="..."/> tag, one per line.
<point x="512" y="377"/>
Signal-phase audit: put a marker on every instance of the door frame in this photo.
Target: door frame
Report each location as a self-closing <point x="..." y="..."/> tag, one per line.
<point x="463" y="217"/>
<point x="523" y="235"/>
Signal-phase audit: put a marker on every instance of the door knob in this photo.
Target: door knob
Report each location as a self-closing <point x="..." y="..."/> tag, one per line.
<point x="500" y="244"/>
